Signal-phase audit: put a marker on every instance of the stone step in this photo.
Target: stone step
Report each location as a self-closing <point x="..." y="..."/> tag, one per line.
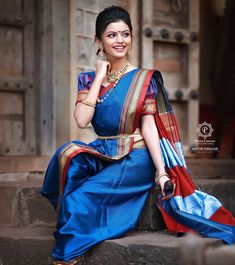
<point x="21" y="164"/>
<point x="141" y="248"/>
<point x="22" y="205"/>
<point x="211" y="168"/>
<point x="25" y="246"/>
<point x="26" y="207"/>
<point x="32" y="246"/>
<point x="199" y="167"/>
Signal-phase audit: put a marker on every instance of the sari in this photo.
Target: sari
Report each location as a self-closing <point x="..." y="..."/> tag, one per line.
<point x="93" y="186"/>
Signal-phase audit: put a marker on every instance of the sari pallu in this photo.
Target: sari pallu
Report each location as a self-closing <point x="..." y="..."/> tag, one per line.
<point x="189" y="209"/>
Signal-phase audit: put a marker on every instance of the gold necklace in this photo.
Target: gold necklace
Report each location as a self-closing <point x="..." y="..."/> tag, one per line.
<point x="112" y="77"/>
<point x="115" y="83"/>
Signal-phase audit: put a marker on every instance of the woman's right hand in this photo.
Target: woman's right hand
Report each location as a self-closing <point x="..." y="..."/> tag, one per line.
<point x="102" y="68"/>
<point x="83" y="114"/>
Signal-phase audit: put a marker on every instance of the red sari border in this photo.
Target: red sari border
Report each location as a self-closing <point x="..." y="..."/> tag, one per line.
<point x="105" y="89"/>
<point x="65" y="157"/>
<point x="132" y="108"/>
<point x="142" y="96"/>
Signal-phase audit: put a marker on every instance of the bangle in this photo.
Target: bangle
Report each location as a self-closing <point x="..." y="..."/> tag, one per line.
<point x="160" y="176"/>
<point x="88" y="103"/>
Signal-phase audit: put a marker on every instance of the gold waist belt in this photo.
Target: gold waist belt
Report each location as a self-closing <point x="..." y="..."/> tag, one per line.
<point x="119" y="136"/>
<point x="138" y="138"/>
<point x="135" y="134"/>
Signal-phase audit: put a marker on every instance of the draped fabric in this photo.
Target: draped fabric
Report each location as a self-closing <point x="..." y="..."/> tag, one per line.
<point x="93" y="186"/>
<point x="189" y="209"/>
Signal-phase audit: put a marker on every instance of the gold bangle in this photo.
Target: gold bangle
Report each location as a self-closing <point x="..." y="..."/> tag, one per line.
<point x="88" y="103"/>
<point x="160" y="176"/>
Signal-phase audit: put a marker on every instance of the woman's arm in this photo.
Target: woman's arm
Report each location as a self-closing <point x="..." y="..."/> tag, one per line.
<point x="83" y="114"/>
<point x="152" y="140"/>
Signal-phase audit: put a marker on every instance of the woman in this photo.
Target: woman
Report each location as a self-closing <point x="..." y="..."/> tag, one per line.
<point x="93" y="185"/>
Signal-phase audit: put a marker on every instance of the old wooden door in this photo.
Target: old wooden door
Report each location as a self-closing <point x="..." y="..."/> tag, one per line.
<point x="170" y="44"/>
<point x="17" y="88"/>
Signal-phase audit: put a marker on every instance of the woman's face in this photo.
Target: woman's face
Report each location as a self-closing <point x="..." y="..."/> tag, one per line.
<point x="116" y="40"/>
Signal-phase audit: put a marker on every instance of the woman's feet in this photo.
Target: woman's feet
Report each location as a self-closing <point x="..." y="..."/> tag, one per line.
<point x="57" y="262"/>
<point x="77" y="261"/>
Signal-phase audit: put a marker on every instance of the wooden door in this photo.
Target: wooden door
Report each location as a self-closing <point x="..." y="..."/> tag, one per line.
<point x="17" y="88"/>
<point x="170" y="43"/>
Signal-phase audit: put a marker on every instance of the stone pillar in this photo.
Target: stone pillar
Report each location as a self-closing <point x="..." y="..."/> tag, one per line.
<point x="133" y="8"/>
<point x="53" y="74"/>
<point x="61" y="69"/>
<point x="44" y="78"/>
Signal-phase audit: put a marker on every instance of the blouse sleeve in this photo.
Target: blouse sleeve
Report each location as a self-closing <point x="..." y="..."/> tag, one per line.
<point x="84" y="84"/>
<point x="150" y="104"/>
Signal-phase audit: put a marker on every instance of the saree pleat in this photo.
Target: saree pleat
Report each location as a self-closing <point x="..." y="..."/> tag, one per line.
<point x="94" y="206"/>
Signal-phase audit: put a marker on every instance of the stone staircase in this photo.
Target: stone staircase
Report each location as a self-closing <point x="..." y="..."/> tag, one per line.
<point x="27" y="220"/>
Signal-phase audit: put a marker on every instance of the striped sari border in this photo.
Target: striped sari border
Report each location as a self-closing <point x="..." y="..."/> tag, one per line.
<point x="131" y="105"/>
<point x="65" y="156"/>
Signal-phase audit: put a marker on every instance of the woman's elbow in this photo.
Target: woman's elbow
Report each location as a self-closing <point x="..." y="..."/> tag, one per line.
<point x="81" y="125"/>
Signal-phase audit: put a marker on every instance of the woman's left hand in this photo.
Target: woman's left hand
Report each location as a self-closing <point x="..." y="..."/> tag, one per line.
<point x="162" y="182"/>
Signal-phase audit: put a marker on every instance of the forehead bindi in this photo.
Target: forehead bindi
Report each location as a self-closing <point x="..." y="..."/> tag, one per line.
<point x="119" y="26"/>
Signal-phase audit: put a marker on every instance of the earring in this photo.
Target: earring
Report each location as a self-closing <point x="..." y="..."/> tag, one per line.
<point x="129" y="51"/>
<point x="101" y="55"/>
<point x="100" y="50"/>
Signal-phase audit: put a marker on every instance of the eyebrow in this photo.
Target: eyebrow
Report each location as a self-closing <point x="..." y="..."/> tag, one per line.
<point x="118" y="31"/>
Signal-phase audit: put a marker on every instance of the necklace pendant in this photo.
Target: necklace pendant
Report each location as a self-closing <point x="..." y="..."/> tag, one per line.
<point x="112" y="77"/>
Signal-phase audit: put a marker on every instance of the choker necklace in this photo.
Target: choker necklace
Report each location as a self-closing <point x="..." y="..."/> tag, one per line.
<point x="112" y="77"/>
<point x="119" y="76"/>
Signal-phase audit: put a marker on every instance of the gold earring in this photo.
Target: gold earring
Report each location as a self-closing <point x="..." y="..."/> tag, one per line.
<point x="100" y="51"/>
<point x="101" y="55"/>
<point x="129" y="52"/>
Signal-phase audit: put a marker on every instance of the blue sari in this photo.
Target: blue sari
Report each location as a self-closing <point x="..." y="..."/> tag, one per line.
<point x="93" y="186"/>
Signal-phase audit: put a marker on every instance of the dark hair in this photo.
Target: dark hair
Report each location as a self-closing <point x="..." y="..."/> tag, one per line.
<point x="109" y="15"/>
